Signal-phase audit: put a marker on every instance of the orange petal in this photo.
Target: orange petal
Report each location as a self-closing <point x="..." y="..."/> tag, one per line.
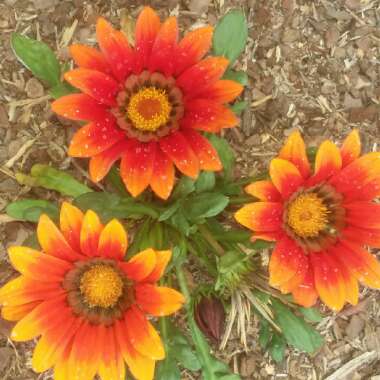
<point x="285" y="177"/>
<point x="363" y="214"/>
<point x="95" y="138"/>
<point x="98" y="85"/>
<point x="260" y="216"/>
<point x="115" y="47"/>
<point x="141" y="265"/>
<point x="53" y="242"/>
<point x="179" y="151"/>
<point x="137" y="166"/>
<point x="142" y="335"/>
<point x="286" y="261"/>
<point x="267" y="236"/>
<point x="162" y="180"/>
<point x="327" y="162"/>
<point x="162" y="260"/>
<point x="192" y="48"/>
<point x="71" y="219"/>
<point x="113" y="241"/>
<point x="351" y="148"/>
<point x="158" y="300"/>
<point x="147" y="26"/>
<point x="362" y="236"/>
<point x="222" y="91"/>
<point x="264" y="191"/>
<point x="204" y="74"/>
<point x="329" y="281"/>
<point x="90" y="233"/>
<point x="79" y="107"/>
<point x="161" y="58"/>
<point x="294" y="151"/>
<point x="102" y="162"/>
<point x="208" y="115"/>
<point x="305" y="294"/>
<point x="88" y="57"/>
<point x="206" y="153"/>
<point x="37" y="265"/>
<point x="142" y="367"/>
<point x="17" y="312"/>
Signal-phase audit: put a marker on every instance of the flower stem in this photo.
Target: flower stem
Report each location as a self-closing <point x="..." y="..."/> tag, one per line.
<point x="210" y="239"/>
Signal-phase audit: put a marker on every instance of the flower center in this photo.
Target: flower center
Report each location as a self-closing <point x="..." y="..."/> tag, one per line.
<point x="101" y="285"/>
<point x="149" y="109"/>
<point x="307" y="215"/>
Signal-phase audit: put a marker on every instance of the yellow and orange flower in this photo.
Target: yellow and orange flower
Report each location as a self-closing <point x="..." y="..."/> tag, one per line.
<point x="86" y="303"/>
<point x="320" y="220"/>
<point x="147" y="104"/>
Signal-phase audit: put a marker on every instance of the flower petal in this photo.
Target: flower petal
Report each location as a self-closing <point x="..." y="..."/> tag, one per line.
<point x="260" y="216"/>
<point x="264" y="191"/>
<point x="363" y="214"/>
<point x="17" y="312"/>
<point x="53" y="242"/>
<point x="305" y="293"/>
<point x="98" y="85"/>
<point x="162" y="180"/>
<point x="37" y="265"/>
<point x="222" y="91"/>
<point x="329" y="281"/>
<point x="115" y="47"/>
<point x="192" y="48"/>
<point x="102" y="162"/>
<point x="204" y="74"/>
<point x="294" y="151"/>
<point x="147" y="26"/>
<point x="351" y="148"/>
<point x="80" y="107"/>
<point x="362" y="236"/>
<point x="71" y="219"/>
<point x="285" y="177"/>
<point x="88" y="57"/>
<point x="158" y="300"/>
<point x="113" y="241"/>
<point x="90" y="234"/>
<point x="95" y="138"/>
<point x="141" y="265"/>
<point x="137" y="166"/>
<point x="142" y="335"/>
<point x="162" y="260"/>
<point x="179" y="151"/>
<point x="206" y="153"/>
<point x="161" y="58"/>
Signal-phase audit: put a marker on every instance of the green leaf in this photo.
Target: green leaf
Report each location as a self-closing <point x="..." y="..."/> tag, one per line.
<point x="296" y="331"/>
<point x="233" y="236"/>
<point x="205" y="205"/>
<point x="239" y="107"/>
<point x="264" y="334"/>
<point x="205" y="182"/>
<point x="277" y="347"/>
<point x="170" y="211"/>
<point x="237" y="76"/>
<point x="179" y="221"/>
<point x="31" y="209"/>
<point x="311" y="314"/>
<point x="32" y="242"/>
<point x="113" y="177"/>
<point x="230" y="35"/>
<point x="37" y="57"/>
<point x="225" y="153"/>
<point x="53" y="179"/>
<point x="184" y="187"/>
<point x="62" y="89"/>
<point x="168" y="369"/>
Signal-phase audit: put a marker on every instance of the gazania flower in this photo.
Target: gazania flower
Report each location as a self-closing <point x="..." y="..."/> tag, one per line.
<point x="320" y="218"/>
<point x="86" y="303"/>
<point x="147" y="104"/>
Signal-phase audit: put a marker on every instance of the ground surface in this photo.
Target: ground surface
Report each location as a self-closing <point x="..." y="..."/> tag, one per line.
<point x="313" y="65"/>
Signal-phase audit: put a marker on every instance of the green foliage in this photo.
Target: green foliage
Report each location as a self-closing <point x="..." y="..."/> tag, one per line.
<point x="239" y="107"/>
<point x="311" y="314"/>
<point x="62" y="89"/>
<point x="38" y="58"/>
<point x="230" y="35"/>
<point x="237" y="76"/>
<point x="30" y="209"/>
<point x="276" y="347"/>
<point x="205" y="182"/>
<point x="225" y="153"/>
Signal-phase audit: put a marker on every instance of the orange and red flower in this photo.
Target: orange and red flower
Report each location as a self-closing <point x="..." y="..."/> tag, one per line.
<point x="320" y="219"/>
<point x="86" y="303"/>
<point x="147" y="104"/>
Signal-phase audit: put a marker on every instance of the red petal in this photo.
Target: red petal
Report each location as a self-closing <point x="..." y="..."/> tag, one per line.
<point x="179" y="151"/>
<point x="192" y="48"/>
<point x="162" y="180"/>
<point x="113" y="241"/>
<point x="264" y="191"/>
<point x="351" y="147"/>
<point x="95" y="138"/>
<point x="222" y="91"/>
<point x="115" y="47"/>
<point x="70" y="224"/>
<point x="206" y="153"/>
<point x="137" y="166"/>
<point x="161" y="58"/>
<point x="363" y="214"/>
<point x="362" y="236"/>
<point x="305" y="294"/>
<point x="89" y="58"/>
<point x="90" y="233"/>
<point x="162" y="260"/>
<point x="140" y="266"/>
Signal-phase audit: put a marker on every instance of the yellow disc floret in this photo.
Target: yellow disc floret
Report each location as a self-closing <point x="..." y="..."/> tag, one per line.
<point x="101" y="285"/>
<point x="149" y="109"/>
<point x="307" y="215"/>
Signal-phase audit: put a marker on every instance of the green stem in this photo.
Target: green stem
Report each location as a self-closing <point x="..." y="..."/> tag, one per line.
<point x="240" y="199"/>
<point x="210" y="239"/>
<point x="204" y="259"/>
